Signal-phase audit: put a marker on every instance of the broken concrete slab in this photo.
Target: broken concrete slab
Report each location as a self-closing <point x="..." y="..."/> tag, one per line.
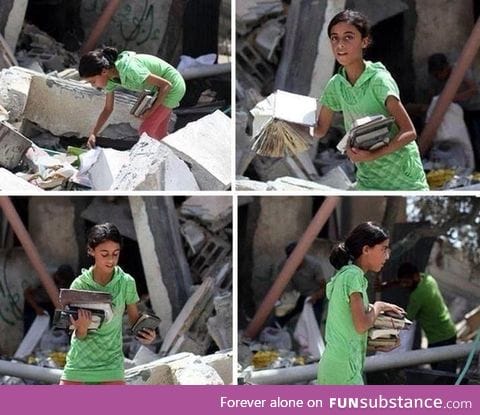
<point x="194" y="236"/>
<point x="220" y="326"/>
<point x="206" y="145"/>
<point x="108" y="165"/>
<point x="213" y="212"/>
<point x="249" y="12"/>
<point x="197" y="373"/>
<point x="153" y="166"/>
<point x="246" y="184"/>
<point x="68" y="107"/>
<point x="13" y="146"/>
<point x="336" y="178"/>
<point x="11" y="184"/>
<point x="222" y="362"/>
<point x="14" y="88"/>
<point x="292" y="183"/>
<point x="14" y="23"/>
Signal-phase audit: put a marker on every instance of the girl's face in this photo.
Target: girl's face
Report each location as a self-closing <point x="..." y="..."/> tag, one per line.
<point x="106" y="256"/>
<point x="347" y="43"/>
<point x="376" y="256"/>
<point x="99" y="81"/>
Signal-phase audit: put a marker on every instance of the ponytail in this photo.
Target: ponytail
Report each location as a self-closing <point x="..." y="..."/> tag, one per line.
<point x="94" y="62"/>
<point x="365" y="234"/>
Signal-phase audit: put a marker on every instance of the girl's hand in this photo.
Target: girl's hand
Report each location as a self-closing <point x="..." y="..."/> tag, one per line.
<point x="382" y="306"/>
<point x="91" y="141"/>
<point x="146" y="336"/>
<point x="84" y="318"/>
<point x="357" y="155"/>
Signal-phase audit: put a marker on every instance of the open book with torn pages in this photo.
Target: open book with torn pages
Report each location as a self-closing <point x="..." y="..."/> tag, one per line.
<point x="367" y="133"/>
<point x="145" y="321"/>
<point x="281" y="124"/>
<point x="98" y="303"/>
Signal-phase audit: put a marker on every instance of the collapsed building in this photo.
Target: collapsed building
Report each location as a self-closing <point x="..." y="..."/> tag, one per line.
<point x="283" y="45"/>
<point x="273" y="354"/>
<point x="47" y="111"/>
<point x="177" y="249"/>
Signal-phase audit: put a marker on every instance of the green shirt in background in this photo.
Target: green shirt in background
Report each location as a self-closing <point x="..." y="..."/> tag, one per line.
<point x="400" y="170"/>
<point x="99" y="356"/>
<point x="345" y="351"/>
<point x="135" y="69"/>
<point x="426" y="305"/>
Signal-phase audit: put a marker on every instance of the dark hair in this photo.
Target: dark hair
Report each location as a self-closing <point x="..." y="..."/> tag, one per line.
<point x="365" y="234"/>
<point x="437" y="62"/>
<point x="94" y="62"/>
<point x="352" y="17"/>
<point x="102" y="233"/>
<point x="290" y="247"/>
<point x="407" y="270"/>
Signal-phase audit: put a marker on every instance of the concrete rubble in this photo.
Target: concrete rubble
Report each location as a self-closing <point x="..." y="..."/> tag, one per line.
<point x="189" y="290"/>
<point x="45" y="100"/>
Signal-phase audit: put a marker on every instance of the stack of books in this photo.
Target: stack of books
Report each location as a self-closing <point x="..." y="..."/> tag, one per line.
<point x="98" y="303"/>
<point x="281" y="125"/>
<point x="367" y="133"/>
<point x="386" y="329"/>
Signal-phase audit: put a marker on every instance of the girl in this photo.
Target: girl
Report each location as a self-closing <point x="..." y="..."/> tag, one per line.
<point x="97" y="357"/>
<point x="363" y="88"/>
<point x="349" y="313"/>
<point x="106" y="69"/>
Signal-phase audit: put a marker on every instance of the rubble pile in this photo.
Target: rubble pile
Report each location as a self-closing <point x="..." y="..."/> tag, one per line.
<point x="194" y="348"/>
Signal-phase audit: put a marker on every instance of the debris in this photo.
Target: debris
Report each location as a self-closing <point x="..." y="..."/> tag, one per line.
<point x="220" y="326"/>
<point x="10" y="183"/>
<point x="13" y="146"/>
<point x="153" y="166"/>
<point x="206" y="145"/>
<point x="194" y="235"/>
<point x="33" y="336"/>
<point x="106" y="167"/>
<point x="7" y="58"/>
<point x="197" y="373"/>
<point x="14" y="89"/>
<point x="214" y="213"/>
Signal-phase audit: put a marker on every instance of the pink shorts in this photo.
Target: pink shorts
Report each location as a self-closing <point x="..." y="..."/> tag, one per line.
<point x="156" y="125"/>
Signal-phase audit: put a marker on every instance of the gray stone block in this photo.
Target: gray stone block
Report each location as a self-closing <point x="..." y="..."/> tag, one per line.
<point x="206" y="145"/>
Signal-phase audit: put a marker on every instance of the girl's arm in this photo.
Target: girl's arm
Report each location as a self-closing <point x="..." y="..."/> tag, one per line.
<point x="146" y="336"/>
<point x="363" y="320"/>
<point x="102" y="119"/>
<point x="405" y="135"/>
<point x="323" y="122"/>
<point x="163" y="87"/>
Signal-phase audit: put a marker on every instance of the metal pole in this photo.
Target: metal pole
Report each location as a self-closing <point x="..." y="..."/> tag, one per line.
<point x="446" y="97"/>
<point x="100" y="26"/>
<point x="24" y="371"/>
<point x="30" y="249"/>
<point x="292" y="263"/>
<point x="204" y="71"/>
<point x="302" y="374"/>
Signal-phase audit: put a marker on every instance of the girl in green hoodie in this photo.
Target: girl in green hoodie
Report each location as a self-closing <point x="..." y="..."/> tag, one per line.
<point x="107" y="69"/>
<point x="362" y="88"/>
<point x="96" y="357"/>
<point x="349" y="313"/>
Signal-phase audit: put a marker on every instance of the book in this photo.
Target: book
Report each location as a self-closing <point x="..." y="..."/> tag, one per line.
<point x="145" y="321"/>
<point x="281" y="124"/>
<point x="367" y="133"/>
<point x="69" y="296"/>
<point x="144" y="102"/>
<point x="384" y="321"/>
<point x="61" y="318"/>
<point x="375" y="333"/>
